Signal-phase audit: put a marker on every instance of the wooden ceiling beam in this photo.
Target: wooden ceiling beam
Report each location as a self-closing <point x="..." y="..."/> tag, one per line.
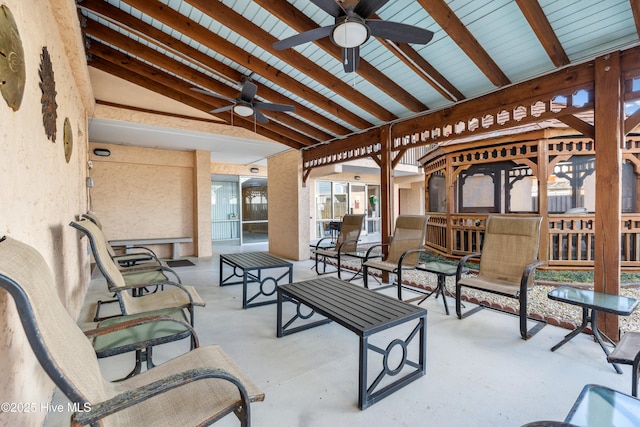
<point x="235" y="76"/>
<point x="424" y="69"/>
<point x="247" y="29"/>
<point x="208" y="39"/>
<point x="540" y="25"/>
<point x="444" y="16"/>
<point x="127" y="68"/>
<point x="125" y="74"/>
<point x="190" y="74"/>
<point x="635" y="8"/>
<point x="290" y="15"/>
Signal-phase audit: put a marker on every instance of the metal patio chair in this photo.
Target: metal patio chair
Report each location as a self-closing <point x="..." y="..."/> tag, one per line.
<point x="196" y="388"/>
<point x="627" y="352"/>
<point x="347" y="241"/>
<point x="403" y="249"/>
<point x="175" y="296"/>
<point x="143" y="255"/>
<point x="508" y="259"/>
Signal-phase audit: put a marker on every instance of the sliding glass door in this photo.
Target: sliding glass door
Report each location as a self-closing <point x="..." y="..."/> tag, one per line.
<point x="255" y="224"/>
<point x="239" y="209"/>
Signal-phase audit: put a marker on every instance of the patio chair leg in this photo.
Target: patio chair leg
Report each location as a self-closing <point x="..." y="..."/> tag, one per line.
<point x="634" y="378"/>
<point x="365" y="276"/>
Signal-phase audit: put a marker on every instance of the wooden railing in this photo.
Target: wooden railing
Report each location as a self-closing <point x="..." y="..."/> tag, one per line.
<point x="571" y="238"/>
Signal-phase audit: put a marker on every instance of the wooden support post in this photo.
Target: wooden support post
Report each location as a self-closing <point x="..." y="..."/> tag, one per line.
<point x="609" y="131"/>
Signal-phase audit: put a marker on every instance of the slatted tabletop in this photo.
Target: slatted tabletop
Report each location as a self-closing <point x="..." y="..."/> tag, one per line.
<point x="254" y="260"/>
<point x="360" y="310"/>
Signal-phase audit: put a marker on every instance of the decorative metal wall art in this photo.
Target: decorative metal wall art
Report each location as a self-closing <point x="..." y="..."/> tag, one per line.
<point x="48" y="87"/>
<point x="68" y="139"/>
<point x="12" y="72"/>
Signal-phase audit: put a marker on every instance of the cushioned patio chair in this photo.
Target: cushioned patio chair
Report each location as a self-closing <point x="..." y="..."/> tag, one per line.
<point x="142" y="255"/>
<point x="175" y="296"/>
<point x="627" y="352"/>
<point x="196" y="388"/>
<point x="347" y="241"/>
<point x="403" y="249"/>
<point x="508" y="259"/>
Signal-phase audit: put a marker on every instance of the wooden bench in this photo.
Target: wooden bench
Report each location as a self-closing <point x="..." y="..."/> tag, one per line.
<point x="175" y="241"/>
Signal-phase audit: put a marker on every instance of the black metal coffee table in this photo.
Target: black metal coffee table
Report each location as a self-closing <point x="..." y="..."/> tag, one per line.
<point x="365" y="313"/>
<point x="251" y="266"/>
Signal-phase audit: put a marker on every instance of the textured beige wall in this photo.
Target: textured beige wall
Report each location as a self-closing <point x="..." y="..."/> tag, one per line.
<point x="411" y="200"/>
<point x="40" y="192"/>
<point x="242" y="170"/>
<point x="145" y="193"/>
<point x="202" y="203"/>
<point x="288" y="207"/>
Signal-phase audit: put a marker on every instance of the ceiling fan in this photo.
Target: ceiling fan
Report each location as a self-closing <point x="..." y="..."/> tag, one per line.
<point x="352" y="28"/>
<point x="244" y="105"/>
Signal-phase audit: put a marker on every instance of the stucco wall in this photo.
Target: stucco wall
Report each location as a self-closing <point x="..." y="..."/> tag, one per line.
<point x="145" y="193"/>
<point x="288" y="207"/>
<point x="40" y="192"/>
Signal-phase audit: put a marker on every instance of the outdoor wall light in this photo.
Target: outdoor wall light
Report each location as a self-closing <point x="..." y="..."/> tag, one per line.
<point x="102" y="152"/>
<point x="357" y="177"/>
<point x="254" y="170"/>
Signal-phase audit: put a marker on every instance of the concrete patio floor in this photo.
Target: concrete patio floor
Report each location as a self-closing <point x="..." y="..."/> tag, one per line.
<point x="479" y="371"/>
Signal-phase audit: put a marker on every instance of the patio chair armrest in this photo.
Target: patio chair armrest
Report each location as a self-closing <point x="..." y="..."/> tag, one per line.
<point x="378" y="245"/>
<point x="142" y="269"/>
<point x="324" y="247"/>
<point x="526" y="273"/>
<point x="405" y="253"/>
<point x="144" y="285"/>
<point x="132" y="397"/>
<point x="462" y="262"/>
<point x="103" y="330"/>
<point x="149" y="251"/>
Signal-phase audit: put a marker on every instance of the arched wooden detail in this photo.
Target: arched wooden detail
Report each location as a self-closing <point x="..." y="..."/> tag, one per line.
<point x="552" y="106"/>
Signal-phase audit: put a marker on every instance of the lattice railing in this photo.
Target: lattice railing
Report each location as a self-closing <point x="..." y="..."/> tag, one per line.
<point x="571" y="238"/>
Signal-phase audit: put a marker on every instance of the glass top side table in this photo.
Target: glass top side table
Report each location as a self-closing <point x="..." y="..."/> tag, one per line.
<point x="592" y="302"/>
<point x="442" y="271"/>
<point x="602" y="406"/>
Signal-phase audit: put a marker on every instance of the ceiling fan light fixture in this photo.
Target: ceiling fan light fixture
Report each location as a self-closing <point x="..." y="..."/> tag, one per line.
<point x="243" y="110"/>
<point x="350" y="33"/>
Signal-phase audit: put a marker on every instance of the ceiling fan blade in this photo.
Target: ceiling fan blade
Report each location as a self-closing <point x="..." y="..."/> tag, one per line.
<point x="398" y="32"/>
<point x="208" y="92"/>
<point x="261" y="118"/>
<point x="306" y="37"/>
<point x="249" y="90"/>
<point x="273" y="107"/>
<point x="350" y="59"/>
<point x="330" y="6"/>
<point x="222" y="109"/>
<point x="366" y="8"/>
